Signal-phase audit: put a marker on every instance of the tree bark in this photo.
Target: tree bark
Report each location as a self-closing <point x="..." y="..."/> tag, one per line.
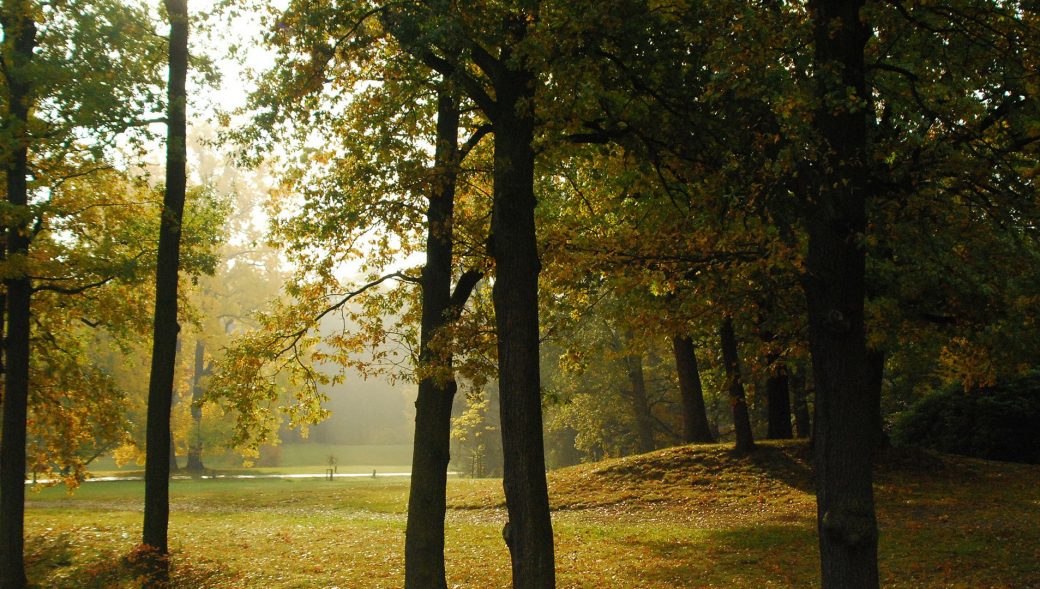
<point x="735" y="386"/>
<point x="801" y="402"/>
<point x="835" y="291"/>
<point x="695" y="416"/>
<point x="195" y="437"/>
<point x="164" y="343"/>
<point x="640" y="406"/>
<point x="515" y="296"/>
<point x="19" y="42"/>
<point x="424" y="536"/>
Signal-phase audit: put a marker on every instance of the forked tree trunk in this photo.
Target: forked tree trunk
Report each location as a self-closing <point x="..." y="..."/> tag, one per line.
<point x="695" y="417"/>
<point x="529" y="530"/>
<point x="835" y="291"/>
<point x="19" y="42"/>
<point x="164" y="343"/>
<point x="735" y="386"/>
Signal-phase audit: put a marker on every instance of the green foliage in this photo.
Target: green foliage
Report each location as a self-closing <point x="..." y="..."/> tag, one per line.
<point x="1000" y="422"/>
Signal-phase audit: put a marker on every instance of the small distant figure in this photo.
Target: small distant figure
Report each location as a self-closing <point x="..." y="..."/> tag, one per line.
<point x="330" y="472"/>
<point x="373" y="473"/>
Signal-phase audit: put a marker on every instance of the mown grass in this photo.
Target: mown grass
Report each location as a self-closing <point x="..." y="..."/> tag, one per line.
<point x="291" y="458"/>
<point x="696" y="516"/>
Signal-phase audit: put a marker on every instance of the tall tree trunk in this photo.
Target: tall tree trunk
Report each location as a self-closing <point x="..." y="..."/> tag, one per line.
<point x="835" y="291"/>
<point x="801" y="402"/>
<point x="515" y="296"/>
<point x="640" y="405"/>
<point x="164" y="343"/>
<point x="695" y="417"/>
<point x="195" y="437"/>
<point x="19" y="42"/>
<point x="735" y="387"/>
<point x="424" y="537"/>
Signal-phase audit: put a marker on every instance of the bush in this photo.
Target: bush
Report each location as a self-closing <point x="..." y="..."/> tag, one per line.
<point x="996" y="423"/>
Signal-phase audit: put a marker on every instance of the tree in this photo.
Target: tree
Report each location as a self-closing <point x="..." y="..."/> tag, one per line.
<point x="695" y="417"/>
<point x="511" y="79"/>
<point x="19" y="43"/>
<point x="735" y="386"/>
<point x="164" y="343"/>
<point x="835" y="293"/>
<point x="54" y="129"/>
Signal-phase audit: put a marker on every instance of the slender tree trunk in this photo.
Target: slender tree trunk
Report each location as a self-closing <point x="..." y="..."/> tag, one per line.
<point x="164" y="344"/>
<point x="640" y="405"/>
<point x="835" y="291"/>
<point x="801" y="402"/>
<point x="424" y="537"/>
<point x="876" y="372"/>
<point x="174" y="467"/>
<point x="735" y="386"/>
<point x="515" y="296"/>
<point x="195" y="437"/>
<point x="695" y="417"/>
<point x="779" y="402"/>
<point x="19" y="42"/>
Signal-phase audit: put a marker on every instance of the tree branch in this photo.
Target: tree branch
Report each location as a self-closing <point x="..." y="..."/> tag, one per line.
<point x="464" y="288"/>
<point x="473" y="140"/>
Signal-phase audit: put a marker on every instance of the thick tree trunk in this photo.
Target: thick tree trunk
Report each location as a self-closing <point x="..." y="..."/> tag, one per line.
<point x="195" y="437"/>
<point x="801" y="402"/>
<point x="640" y="405"/>
<point x="835" y="291"/>
<point x="164" y="344"/>
<point x="695" y="417"/>
<point x="424" y="537"/>
<point x="19" y="41"/>
<point x="529" y="530"/>
<point x="735" y="387"/>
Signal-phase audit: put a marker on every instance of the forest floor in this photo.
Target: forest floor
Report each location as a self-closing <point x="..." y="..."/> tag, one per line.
<point x="692" y="516"/>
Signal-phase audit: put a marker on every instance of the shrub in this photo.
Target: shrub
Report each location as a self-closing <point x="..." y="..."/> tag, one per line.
<point x="997" y="423"/>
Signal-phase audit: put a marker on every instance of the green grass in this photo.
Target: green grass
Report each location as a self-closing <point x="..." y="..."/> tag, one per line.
<point x="696" y="516"/>
<point x="292" y="459"/>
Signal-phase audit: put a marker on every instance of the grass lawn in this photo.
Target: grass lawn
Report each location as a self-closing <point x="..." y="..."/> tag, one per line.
<point x="291" y="459"/>
<point x="695" y="516"/>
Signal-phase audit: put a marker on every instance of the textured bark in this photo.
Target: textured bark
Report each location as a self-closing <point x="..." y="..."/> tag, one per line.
<point x="515" y="296"/>
<point x="195" y="437"/>
<point x="640" y="405"/>
<point x="801" y="403"/>
<point x="164" y="343"/>
<point x="735" y="386"/>
<point x="696" y="429"/>
<point x="424" y="537"/>
<point x="19" y="41"/>
<point x="835" y="291"/>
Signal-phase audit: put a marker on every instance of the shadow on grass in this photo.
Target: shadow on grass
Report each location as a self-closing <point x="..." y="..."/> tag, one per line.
<point x="756" y="556"/>
<point x="65" y="560"/>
